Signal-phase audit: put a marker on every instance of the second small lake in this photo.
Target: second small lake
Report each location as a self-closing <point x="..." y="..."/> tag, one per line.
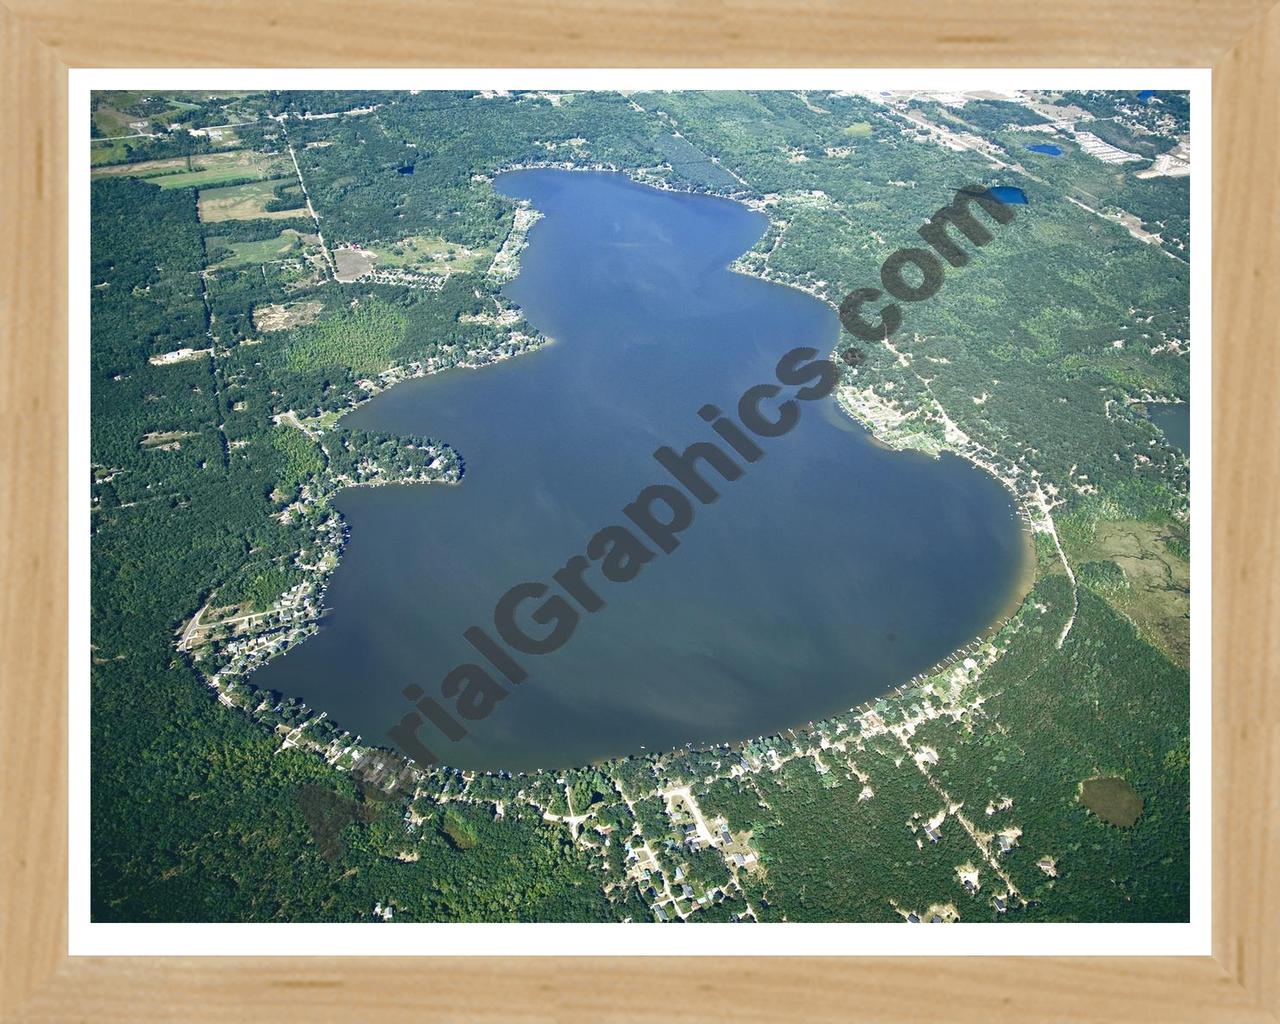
<point x="1174" y="421"/>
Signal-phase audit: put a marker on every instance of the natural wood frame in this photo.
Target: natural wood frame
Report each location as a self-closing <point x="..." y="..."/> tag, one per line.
<point x="40" y="39"/>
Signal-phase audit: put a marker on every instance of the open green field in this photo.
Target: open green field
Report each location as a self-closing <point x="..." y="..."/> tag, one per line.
<point x="154" y="168"/>
<point x="213" y="176"/>
<point x="110" y="120"/>
<point x="242" y="202"/>
<point x="426" y="253"/>
<point x="202" y="169"/>
<point x="262" y="251"/>
<point x="101" y="152"/>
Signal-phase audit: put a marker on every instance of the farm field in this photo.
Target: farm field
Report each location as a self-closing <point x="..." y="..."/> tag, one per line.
<point x="243" y="202"/>
<point x="153" y="168"/>
<point x="215" y="176"/>
<point x="201" y="169"/>
<point x="261" y="251"/>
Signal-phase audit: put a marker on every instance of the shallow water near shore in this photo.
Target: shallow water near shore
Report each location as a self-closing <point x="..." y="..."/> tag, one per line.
<point x="831" y="571"/>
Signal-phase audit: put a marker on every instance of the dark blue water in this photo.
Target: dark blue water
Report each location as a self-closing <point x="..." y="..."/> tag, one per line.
<point x="830" y="571"/>
<point x="1047" y="148"/>
<point x="1174" y="421"/>
<point x="1009" y="195"/>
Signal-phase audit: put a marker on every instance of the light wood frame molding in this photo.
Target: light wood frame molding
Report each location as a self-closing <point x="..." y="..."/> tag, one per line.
<point x="41" y="39"/>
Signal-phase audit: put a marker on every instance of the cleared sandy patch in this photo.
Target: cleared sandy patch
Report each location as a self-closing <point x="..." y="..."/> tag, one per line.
<point x="282" y="316"/>
<point x="352" y="264"/>
<point x="169" y="440"/>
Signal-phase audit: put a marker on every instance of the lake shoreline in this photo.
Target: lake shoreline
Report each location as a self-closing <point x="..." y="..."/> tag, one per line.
<point x="871" y="436"/>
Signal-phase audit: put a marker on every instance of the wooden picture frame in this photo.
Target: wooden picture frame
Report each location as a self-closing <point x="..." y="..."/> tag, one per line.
<point x="42" y="39"/>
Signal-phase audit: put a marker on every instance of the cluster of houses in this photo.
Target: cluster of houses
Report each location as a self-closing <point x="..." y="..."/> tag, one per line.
<point x="406" y="278"/>
<point x="672" y="897"/>
<point x="695" y="903"/>
<point x="671" y="892"/>
<point x="293" y="617"/>
<point x="274" y="632"/>
<point x="1103" y="151"/>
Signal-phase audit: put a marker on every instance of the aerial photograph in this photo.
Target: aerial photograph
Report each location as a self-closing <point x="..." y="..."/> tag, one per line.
<point x="640" y="506"/>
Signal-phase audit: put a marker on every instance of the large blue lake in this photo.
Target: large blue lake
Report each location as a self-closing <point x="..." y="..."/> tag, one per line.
<point x="829" y="572"/>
